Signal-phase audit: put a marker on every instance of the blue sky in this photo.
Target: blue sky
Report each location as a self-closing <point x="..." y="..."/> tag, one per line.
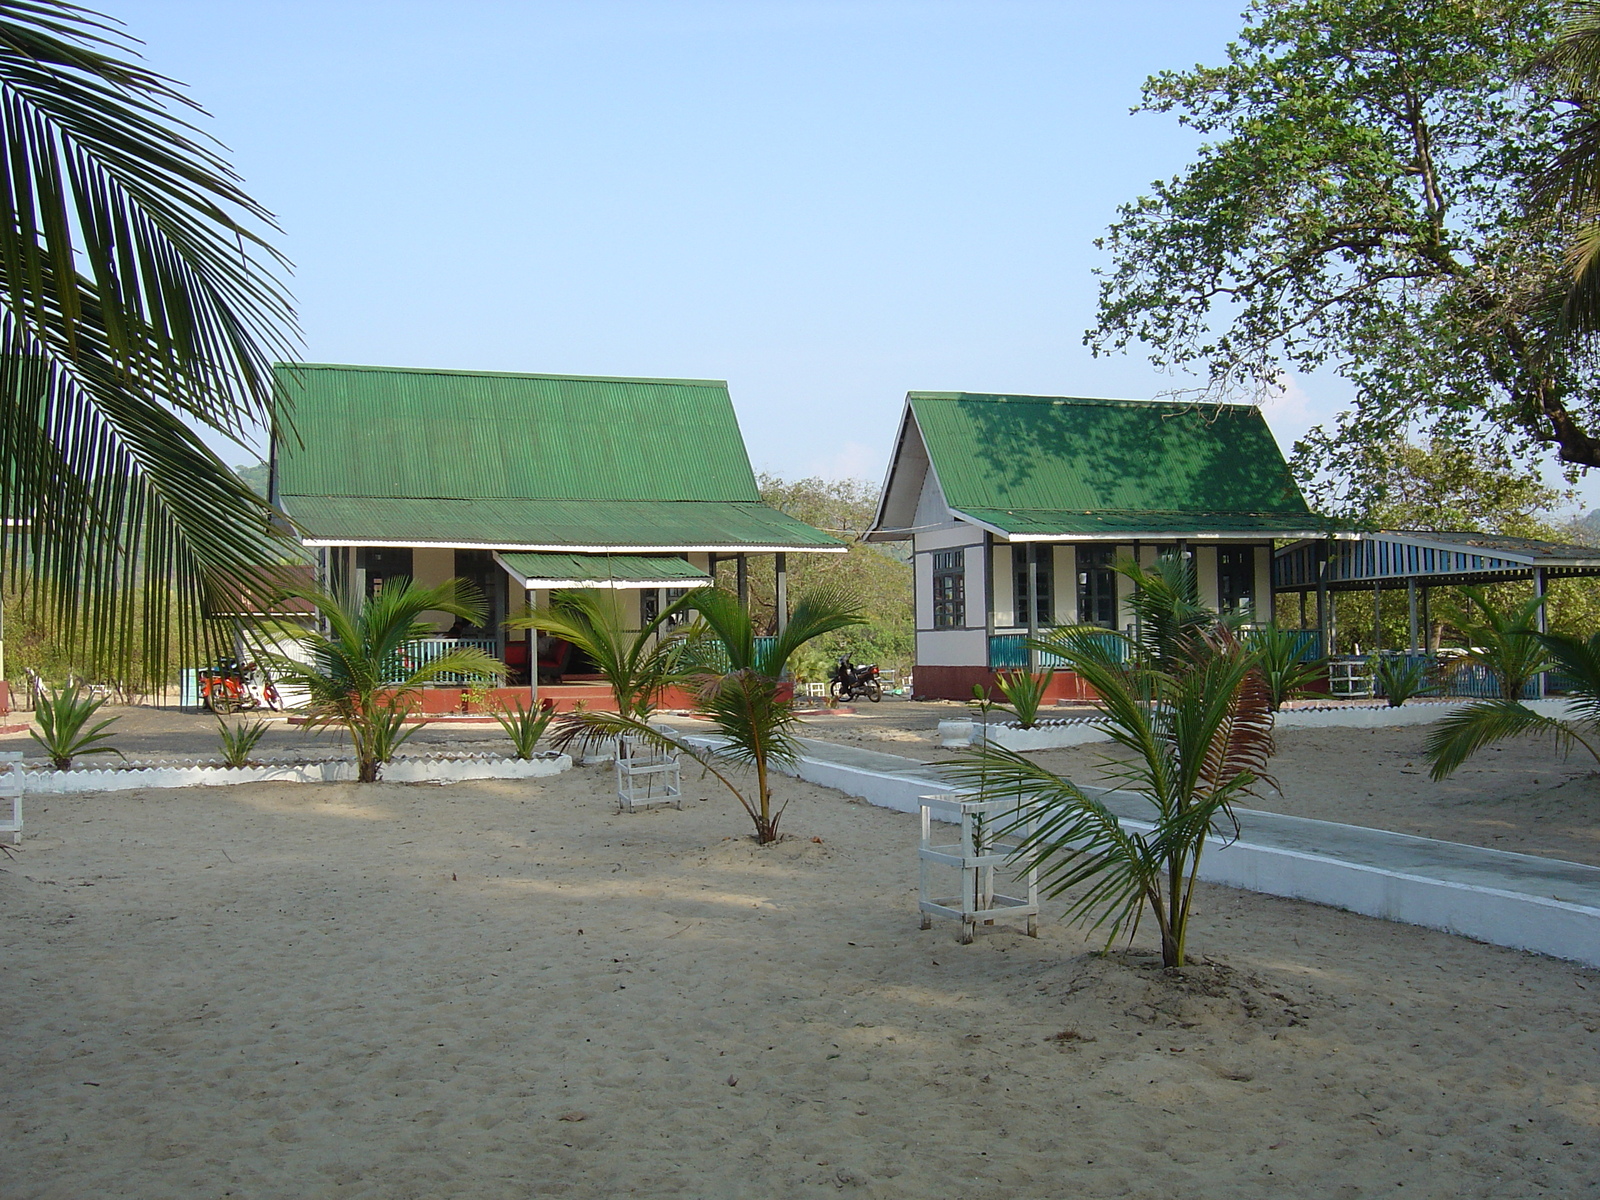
<point x="825" y="203"/>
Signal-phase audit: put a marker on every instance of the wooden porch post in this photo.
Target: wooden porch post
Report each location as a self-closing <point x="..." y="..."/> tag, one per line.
<point x="1377" y="616"/>
<point x="1411" y="610"/>
<point x="780" y="589"/>
<point x="743" y="577"/>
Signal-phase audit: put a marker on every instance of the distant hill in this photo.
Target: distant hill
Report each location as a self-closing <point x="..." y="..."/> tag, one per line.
<point x="1588" y="527"/>
<point x="255" y="476"/>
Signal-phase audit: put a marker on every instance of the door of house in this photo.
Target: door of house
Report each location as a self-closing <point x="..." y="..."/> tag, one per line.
<point x="1097" y="586"/>
<point x="478" y="568"/>
<point x="1236" y="578"/>
<point x="1045" y="612"/>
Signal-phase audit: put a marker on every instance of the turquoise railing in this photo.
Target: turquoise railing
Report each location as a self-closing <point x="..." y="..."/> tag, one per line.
<point x="1009" y="652"/>
<point x="420" y="653"/>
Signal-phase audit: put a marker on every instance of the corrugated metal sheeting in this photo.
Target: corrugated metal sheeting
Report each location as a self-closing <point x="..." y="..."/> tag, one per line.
<point x="620" y="570"/>
<point x="1060" y="464"/>
<point x="394" y="456"/>
<point x="549" y="524"/>
<point x="386" y="431"/>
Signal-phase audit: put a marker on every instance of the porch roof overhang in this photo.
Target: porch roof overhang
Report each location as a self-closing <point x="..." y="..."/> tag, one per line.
<point x="1048" y="525"/>
<point x="1389" y="558"/>
<point x="561" y="526"/>
<point x="545" y="570"/>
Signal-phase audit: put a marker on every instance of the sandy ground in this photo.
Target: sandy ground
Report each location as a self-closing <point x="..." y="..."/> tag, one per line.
<point x="1518" y="795"/>
<point x="506" y="990"/>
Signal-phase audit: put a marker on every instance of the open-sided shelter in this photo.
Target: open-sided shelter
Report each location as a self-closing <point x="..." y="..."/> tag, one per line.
<point x="1017" y="508"/>
<point x="522" y="484"/>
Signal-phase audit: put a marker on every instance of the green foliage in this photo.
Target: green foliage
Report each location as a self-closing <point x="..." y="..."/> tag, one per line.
<point x="1025" y="693"/>
<point x="525" y="726"/>
<point x="1503" y="644"/>
<point x="1278" y="655"/>
<point x="1451" y="482"/>
<point x="1359" y="201"/>
<point x="1397" y="678"/>
<point x="748" y="703"/>
<point x="63" y="716"/>
<point x="637" y="665"/>
<point x="349" y="668"/>
<point x="878" y="574"/>
<point x="1200" y="733"/>
<point x="1463" y="733"/>
<point x="140" y="309"/>
<point x="1570" y="183"/>
<point x="238" y="741"/>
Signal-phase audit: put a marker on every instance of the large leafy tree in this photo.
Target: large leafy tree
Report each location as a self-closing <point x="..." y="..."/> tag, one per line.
<point x="138" y="303"/>
<point x="1361" y="203"/>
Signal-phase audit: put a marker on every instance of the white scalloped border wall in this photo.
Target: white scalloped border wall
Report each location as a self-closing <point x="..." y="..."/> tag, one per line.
<point x="407" y="769"/>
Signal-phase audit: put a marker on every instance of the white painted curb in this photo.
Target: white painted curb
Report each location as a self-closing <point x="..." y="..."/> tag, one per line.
<point x="1074" y="731"/>
<point x="1558" y="928"/>
<point x="1077" y="731"/>
<point x="400" y="770"/>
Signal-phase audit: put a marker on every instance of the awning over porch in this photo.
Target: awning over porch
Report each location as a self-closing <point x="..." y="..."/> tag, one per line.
<point x="537" y="570"/>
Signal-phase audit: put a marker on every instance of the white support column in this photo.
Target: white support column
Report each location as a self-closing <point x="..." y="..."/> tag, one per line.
<point x="988" y="598"/>
<point x="533" y="657"/>
<point x="1543" y="625"/>
<point x="1033" y="604"/>
<point x="780" y="573"/>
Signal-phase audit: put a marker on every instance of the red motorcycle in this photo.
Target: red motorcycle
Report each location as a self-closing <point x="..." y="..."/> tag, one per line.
<point x="231" y="686"/>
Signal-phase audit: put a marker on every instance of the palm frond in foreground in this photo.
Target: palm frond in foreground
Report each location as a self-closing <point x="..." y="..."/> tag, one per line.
<point x="1200" y="730"/>
<point x="359" y="674"/>
<point x="137" y="299"/>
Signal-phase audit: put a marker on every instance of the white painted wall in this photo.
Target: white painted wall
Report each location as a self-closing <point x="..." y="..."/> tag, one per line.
<point x="1003" y="606"/>
<point x="1064" y="603"/>
<point x="1205" y="570"/>
<point x="1266" y="601"/>
<point x="952" y="648"/>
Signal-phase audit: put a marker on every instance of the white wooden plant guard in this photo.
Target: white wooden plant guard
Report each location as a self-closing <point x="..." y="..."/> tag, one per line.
<point x="11" y="783"/>
<point x="969" y="839"/>
<point x="647" y="776"/>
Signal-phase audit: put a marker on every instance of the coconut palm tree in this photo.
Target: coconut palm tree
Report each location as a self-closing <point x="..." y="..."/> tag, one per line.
<point x="742" y="692"/>
<point x="360" y="674"/>
<point x="1571" y="183"/>
<point x="138" y="301"/>
<point x="1503" y="643"/>
<point x="636" y="664"/>
<point x="1463" y="733"/>
<point x="1200" y="730"/>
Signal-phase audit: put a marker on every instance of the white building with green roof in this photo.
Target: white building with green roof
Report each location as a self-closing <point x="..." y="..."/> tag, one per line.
<point x="1017" y="507"/>
<point x="523" y="484"/>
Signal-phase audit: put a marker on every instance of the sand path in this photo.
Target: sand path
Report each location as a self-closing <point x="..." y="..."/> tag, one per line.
<point x="505" y="990"/>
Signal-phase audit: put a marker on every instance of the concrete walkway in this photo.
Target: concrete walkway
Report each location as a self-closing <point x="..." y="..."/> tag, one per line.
<point x="1516" y="900"/>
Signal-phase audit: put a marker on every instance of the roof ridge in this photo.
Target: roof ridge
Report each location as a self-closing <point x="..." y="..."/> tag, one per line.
<point x="1013" y="398"/>
<point x="471" y="374"/>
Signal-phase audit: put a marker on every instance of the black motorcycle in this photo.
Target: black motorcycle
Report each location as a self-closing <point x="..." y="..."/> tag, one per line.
<point x="847" y="681"/>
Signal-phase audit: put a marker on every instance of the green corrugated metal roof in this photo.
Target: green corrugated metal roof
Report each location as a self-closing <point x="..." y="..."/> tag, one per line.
<point x="549" y="524"/>
<point x="1063" y="460"/>
<point x="1144" y="524"/>
<point x="426" y="434"/>
<point x="534" y="569"/>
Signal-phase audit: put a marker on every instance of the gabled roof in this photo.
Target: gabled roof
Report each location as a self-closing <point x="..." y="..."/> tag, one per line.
<point x="399" y="456"/>
<point x="1056" y="466"/>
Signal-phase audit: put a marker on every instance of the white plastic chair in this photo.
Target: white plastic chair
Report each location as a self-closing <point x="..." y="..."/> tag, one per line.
<point x="646" y="776"/>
